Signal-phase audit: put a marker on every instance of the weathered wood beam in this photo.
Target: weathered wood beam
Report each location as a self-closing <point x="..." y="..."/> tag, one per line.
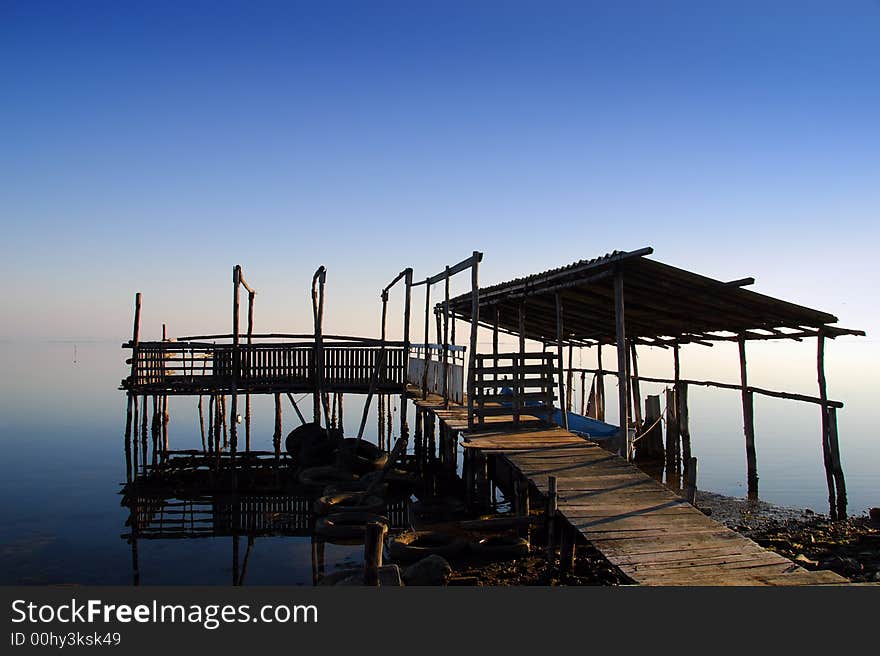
<point x="623" y="376"/>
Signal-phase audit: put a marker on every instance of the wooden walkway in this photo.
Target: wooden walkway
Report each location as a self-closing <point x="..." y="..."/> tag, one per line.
<point x="650" y="533"/>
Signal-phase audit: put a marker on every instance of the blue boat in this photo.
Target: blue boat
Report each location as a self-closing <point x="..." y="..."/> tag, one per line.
<point x="578" y="424"/>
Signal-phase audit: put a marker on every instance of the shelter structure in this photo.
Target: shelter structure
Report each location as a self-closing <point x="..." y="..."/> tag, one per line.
<point x="623" y="300"/>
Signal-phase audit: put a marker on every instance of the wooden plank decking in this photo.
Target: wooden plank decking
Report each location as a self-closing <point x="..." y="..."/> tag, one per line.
<point x="650" y="533"/>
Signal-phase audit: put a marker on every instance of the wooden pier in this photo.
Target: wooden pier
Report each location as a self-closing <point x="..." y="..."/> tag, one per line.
<point x="505" y="404"/>
<point x="650" y="533"/>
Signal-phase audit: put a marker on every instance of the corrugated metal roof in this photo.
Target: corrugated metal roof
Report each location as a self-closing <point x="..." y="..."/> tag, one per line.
<point x="661" y="301"/>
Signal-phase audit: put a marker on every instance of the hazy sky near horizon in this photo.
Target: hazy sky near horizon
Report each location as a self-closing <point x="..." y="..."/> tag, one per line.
<point x="150" y="146"/>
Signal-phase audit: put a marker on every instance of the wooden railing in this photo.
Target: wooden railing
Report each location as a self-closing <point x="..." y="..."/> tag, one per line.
<point x="277" y="366"/>
<point x="529" y="377"/>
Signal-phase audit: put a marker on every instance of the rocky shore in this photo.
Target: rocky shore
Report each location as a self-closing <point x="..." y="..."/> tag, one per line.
<point x="849" y="547"/>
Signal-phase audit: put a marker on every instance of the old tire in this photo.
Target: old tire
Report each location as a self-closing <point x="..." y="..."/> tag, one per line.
<point x="347" y="525"/>
<point x="500" y="547"/>
<point x="349" y="502"/>
<point x="321" y="477"/>
<point x="438" y="508"/>
<point x="368" y="457"/>
<point x="415" y="545"/>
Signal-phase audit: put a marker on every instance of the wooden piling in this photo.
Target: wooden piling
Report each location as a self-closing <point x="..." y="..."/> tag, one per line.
<point x="636" y="391"/>
<point x="521" y="500"/>
<point x="690" y="477"/>
<point x="560" y="367"/>
<point x="128" y="424"/>
<point x="672" y="438"/>
<point x="318" y="398"/>
<point x="236" y="359"/>
<point x="569" y="382"/>
<point x="475" y="327"/>
<point x="380" y="417"/>
<point x="212" y="413"/>
<point x="748" y="423"/>
<point x="599" y="382"/>
<point x="445" y="342"/>
<point x="624" y="445"/>
<point x="250" y="340"/>
<point x="374" y="540"/>
<point x="427" y="337"/>
<point x="341" y="425"/>
<point x="276" y="437"/>
<point x="135" y="338"/>
<point x="224" y="418"/>
<point x="684" y="430"/>
<point x="496" y="389"/>
<point x="202" y="422"/>
<point x="650" y="445"/>
<point x="584" y="393"/>
<point x="836" y="484"/>
<point x="840" y="485"/>
<point x="552" y="504"/>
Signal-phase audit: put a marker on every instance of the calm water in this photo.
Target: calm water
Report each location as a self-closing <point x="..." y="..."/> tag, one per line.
<point x="63" y="465"/>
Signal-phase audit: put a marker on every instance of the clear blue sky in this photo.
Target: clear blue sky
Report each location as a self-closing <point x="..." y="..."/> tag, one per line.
<point x="150" y="146"/>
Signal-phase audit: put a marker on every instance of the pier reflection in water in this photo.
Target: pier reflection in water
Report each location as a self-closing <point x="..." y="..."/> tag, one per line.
<point x="181" y="498"/>
<point x="193" y="495"/>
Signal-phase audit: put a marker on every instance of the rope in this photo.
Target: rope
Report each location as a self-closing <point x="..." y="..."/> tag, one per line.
<point x="644" y="433"/>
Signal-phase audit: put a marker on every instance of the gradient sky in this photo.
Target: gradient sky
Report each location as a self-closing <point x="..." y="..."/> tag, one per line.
<point x="150" y="146"/>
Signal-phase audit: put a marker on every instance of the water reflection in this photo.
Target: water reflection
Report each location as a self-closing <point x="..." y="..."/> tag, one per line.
<point x="247" y="499"/>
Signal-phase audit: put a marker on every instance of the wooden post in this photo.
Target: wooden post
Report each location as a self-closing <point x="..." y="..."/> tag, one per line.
<point x="522" y="326"/>
<point x="475" y="323"/>
<point x="224" y="418"/>
<point x="445" y="343"/>
<point x="236" y="359"/>
<point x="676" y="366"/>
<point x="519" y="363"/>
<point x="636" y="391"/>
<point x="552" y="503"/>
<point x="559" y="365"/>
<point x="212" y="413"/>
<point x="521" y="490"/>
<point x="165" y="418"/>
<point x="622" y="377"/>
<point x="144" y="421"/>
<point x="570" y="379"/>
<point x="599" y="382"/>
<point x="250" y="340"/>
<point x="341" y="424"/>
<point x="374" y="540"/>
<point x="319" y="399"/>
<point x="427" y="337"/>
<point x="690" y="476"/>
<point x="135" y="338"/>
<point x="496" y="389"/>
<point x="835" y="462"/>
<point x="650" y="446"/>
<point x="672" y="440"/>
<point x="584" y="393"/>
<point x="404" y="420"/>
<point x="276" y="438"/>
<point x="684" y="430"/>
<point x="202" y="422"/>
<point x="748" y="423"/>
<point x="833" y="483"/>
<point x="128" y="424"/>
<point x="380" y="416"/>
